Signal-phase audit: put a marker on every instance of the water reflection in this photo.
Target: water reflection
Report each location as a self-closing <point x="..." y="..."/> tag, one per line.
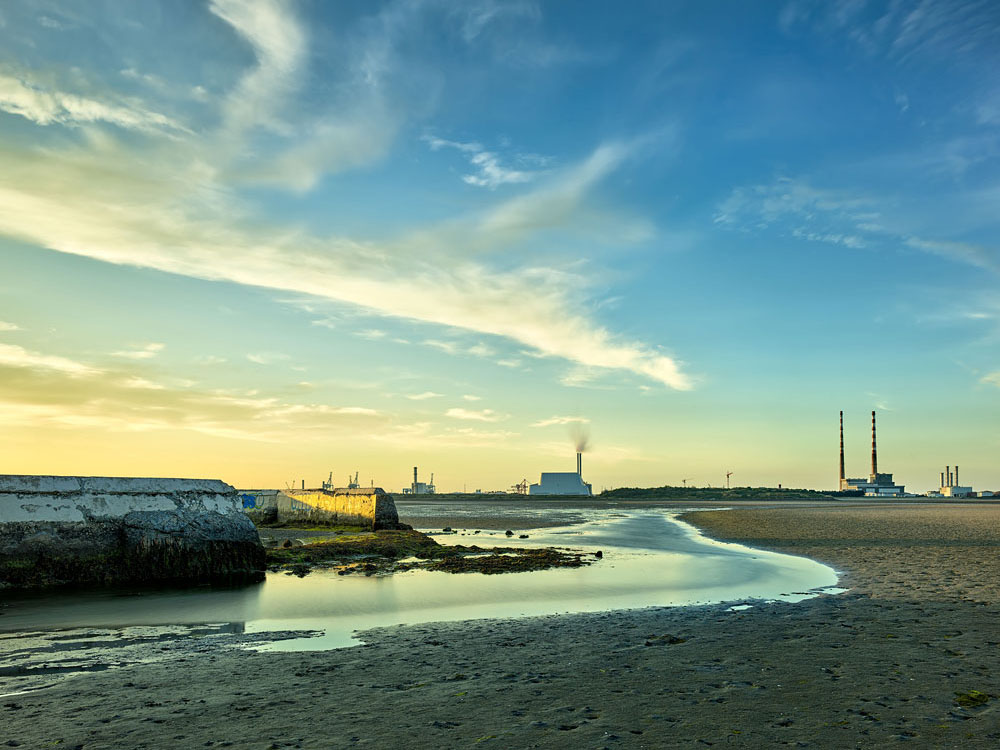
<point x="649" y="559"/>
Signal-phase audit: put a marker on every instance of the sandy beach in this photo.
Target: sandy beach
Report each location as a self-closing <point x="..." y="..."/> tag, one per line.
<point x="908" y="655"/>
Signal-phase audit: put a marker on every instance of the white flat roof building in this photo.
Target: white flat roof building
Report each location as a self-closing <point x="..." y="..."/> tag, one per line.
<point x="560" y="483"/>
<point x="956" y="491"/>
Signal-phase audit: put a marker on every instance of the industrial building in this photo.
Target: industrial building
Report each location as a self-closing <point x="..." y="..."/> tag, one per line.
<point x="950" y="486"/>
<point x="876" y="485"/>
<point x="420" y="488"/>
<point x="562" y="482"/>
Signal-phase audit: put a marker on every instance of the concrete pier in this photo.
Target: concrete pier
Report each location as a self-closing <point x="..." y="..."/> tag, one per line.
<point x="58" y="530"/>
<point x="349" y="506"/>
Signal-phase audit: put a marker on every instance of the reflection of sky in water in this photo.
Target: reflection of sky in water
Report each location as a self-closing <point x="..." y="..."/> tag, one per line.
<point x="649" y="559"/>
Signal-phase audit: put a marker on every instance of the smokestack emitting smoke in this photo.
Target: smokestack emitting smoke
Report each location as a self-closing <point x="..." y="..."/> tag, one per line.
<point x="579" y="463"/>
<point x="874" y="452"/>
<point x="841" y="447"/>
<point x="580" y="435"/>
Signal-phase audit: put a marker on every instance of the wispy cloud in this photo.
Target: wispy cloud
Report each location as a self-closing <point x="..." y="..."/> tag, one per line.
<point x="148" y="351"/>
<point x="552" y="203"/>
<point x="976" y="255"/>
<point x="490" y="173"/>
<point x="210" y="359"/>
<point x="992" y="378"/>
<point x="532" y="306"/>
<point x="449" y="347"/>
<point x="5" y="326"/>
<point x="560" y="420"/>
<point x="457" y="348"/>
<point x="838" y="217"/>
<point x="60" y="392"/>
<point x="470" y="397"/>
<point x="481" y="350"/>
<point x="12" y="355"/>
<point x="267" y="358"/>
<point x="177" y="209"/>
<point x="137" y="382"/>
<point x="483" y="415"/>
<point x="901" y="31"/>
<point x="20" y="95"/>
<point x="279" y="44"/>
<point x="424" y="396"/>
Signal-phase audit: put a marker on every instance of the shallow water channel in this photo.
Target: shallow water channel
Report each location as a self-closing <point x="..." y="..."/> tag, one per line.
<point x="650" y="559"/>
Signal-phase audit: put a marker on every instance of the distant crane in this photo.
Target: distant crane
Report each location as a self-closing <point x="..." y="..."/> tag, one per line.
<point x="685" y="481"/>
<point x="728" y="474"/>
<point x="521" y="488"/>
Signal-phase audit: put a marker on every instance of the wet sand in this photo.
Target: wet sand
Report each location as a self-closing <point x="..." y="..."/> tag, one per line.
<point x="881" y="664"/>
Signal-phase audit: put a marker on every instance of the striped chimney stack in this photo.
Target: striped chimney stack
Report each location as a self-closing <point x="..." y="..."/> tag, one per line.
<point x="874" y="476"/>
<point x="842" y="475"/>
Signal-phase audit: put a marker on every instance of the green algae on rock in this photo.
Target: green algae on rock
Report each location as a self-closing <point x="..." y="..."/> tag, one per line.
<point x="394" y="551"/>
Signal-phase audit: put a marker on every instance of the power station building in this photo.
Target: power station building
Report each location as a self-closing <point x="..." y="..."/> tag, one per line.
<point x="420" y="488"/>
<point x="950" y="486"/>
<point x="876" y="485"/>
<point x="563" y="482"/>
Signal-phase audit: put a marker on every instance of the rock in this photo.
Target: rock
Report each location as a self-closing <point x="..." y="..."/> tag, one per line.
<point x="523" y="536"/>
<point x="599" y="555"/>
<point x="509" y="532"/>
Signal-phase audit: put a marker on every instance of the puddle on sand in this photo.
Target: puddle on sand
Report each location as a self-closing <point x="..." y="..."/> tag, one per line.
<point x="650" y="559"/>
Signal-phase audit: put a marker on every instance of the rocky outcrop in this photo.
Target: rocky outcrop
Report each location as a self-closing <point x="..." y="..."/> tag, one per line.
<point x="105" y="530"/>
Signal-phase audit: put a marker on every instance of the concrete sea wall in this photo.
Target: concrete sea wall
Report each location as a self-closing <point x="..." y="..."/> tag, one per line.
<point x="260" y="506"/>
<point x="365" y="507"/>
<point x="103" y="530"/>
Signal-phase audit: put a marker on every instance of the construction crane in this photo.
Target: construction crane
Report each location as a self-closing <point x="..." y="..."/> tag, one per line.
<point x="728" y="474"/>
<point x="685" y="481"/>
<point x="521" y="488"/>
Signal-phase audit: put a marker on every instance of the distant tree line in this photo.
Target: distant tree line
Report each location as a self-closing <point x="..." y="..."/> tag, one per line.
<point x="713" y="493"/>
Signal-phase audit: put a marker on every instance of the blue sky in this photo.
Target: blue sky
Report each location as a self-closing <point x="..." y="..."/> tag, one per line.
<point x="266" y="240"/>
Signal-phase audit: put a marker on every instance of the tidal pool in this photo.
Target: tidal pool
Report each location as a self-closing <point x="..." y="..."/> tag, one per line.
<point x="650" y="559"/>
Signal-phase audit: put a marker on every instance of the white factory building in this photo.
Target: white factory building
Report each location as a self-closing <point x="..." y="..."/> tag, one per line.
<point x="562" y="482"/>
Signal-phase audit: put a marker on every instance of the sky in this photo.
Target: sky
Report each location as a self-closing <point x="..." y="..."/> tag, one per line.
<point x="266" y="241"/>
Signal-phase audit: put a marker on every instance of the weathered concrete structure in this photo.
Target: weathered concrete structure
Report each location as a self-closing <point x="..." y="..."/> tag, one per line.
<point x="260" y="506"/>
<point x="368" y="507"/>
<point x="101" y="530"/>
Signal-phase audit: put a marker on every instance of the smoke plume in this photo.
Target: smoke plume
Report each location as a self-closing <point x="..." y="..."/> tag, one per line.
<point x="580" y="435"/>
